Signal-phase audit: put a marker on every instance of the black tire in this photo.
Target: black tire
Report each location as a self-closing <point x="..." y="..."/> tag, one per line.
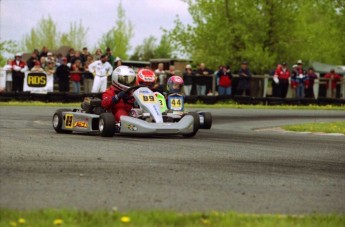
<point x="106" y="125"/>
<point x="196" y="124"/>
<point x="57" y="121"/>
<point x="207" y="120"/>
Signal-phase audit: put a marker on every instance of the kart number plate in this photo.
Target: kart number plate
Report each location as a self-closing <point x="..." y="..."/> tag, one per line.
<point x="69" y="121"/>
<point x="148" y="98"/>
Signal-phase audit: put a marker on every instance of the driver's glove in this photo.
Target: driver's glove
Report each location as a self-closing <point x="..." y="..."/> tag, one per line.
<point x="120" y="95"/>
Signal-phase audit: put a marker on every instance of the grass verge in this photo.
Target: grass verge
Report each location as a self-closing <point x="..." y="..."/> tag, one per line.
<point x="326" y="127"/>
<point x="187" y="105"/>
<point x="160" y="218"/>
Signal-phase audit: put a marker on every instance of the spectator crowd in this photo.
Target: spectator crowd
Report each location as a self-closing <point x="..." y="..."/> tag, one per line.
<point x="92" y="71"/>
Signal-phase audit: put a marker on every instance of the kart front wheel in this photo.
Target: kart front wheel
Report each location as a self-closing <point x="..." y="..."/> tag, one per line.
<point x="196" y="124"/>
<point x="106" y="124"/>
<point x="58" y="121"/>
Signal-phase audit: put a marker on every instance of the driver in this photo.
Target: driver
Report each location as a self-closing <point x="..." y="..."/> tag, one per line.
<point x="175" y="84"/>
<point x="146" y="77"/>
<point x="115" y="99"/>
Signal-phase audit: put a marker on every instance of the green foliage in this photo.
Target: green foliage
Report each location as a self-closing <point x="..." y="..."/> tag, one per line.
<point x="75" y="37"/>
<point x="149" y="49"/>
<point x="45" y="34"/>
<point x="7" y="47"/>
<point x="118" y="38"/>
<point x="50" y="217"/>
<point x="145" y="51"/>
<point x="262" y="32"/>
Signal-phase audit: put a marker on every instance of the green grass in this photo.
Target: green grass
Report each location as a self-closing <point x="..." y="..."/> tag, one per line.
<point x="160" y="218"/>
<point x="329" y="127"/>
<point x="197" y="105"/>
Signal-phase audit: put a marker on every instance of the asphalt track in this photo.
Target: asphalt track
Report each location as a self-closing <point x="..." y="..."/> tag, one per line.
<point x="238" y="165"/>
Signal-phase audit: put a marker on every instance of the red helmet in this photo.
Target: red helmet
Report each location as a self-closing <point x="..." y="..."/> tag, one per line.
<point x="175" y="84"/>
<point x="146" y="77"/>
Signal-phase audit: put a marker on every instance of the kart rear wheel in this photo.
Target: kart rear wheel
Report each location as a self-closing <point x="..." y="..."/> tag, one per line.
<point x="207" y="120"/>
<point x="57" y="121"/>
<point x="106" y="124"/>
<point x="196" y="124"/>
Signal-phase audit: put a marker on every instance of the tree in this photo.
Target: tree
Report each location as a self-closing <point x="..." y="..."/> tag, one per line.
<point x="75" y="37"/>
<point x="164" y="49"/>
<point x="45" y="34"/>
<point x="263" y="32"/>
<point x="118" y="38"/>
<point x="7" y="47"/>
<point x="145" y="51"/>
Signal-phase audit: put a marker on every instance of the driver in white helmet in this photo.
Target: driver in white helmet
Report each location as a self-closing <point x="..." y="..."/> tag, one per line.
<point x="115" y="99"/>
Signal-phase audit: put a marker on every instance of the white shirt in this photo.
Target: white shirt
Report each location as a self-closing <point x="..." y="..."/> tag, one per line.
<point x="97" y="68"/>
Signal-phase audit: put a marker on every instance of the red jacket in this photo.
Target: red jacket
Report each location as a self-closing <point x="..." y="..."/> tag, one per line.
<point x="282" y="74"/>
<point x="121" y="108"/>
<point x="21" y="64"/>
<point x="335" y="78"/>
<point x="75" y="74"/>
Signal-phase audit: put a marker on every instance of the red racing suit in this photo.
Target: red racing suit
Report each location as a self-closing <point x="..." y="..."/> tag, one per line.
<point x="119" y="108"/>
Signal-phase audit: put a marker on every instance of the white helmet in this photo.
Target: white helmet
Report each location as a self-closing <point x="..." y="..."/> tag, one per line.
<point x="123" y="77"/>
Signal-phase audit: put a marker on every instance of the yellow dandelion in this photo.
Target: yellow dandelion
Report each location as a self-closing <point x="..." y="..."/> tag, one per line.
<point x="13" y="223"/>
<point x="58" y="222"/>
<point x="21" y="221"/>
<point x="125" y="219"/>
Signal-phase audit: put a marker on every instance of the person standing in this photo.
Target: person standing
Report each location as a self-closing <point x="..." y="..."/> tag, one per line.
<point x="299" y="79"/>
<point x="8" y="69"/>
<point x="201" y="79"/>
<point x="18" y="69"/>
<point x="110" y="57"/>
<point x="50" y="70"/>
<point x="224" y="82"/>
<point x="32" y="60"/>
<point x="76" y="71"/>
<point x="283" y="74"/>
<point x="87" y="76"/>
<point x="309" y="89"/>
<point x="62" y="74"/>
<point x="244" y="78"/>
<point x="161" y="77"/>
<point x="101" y="69"/>
<point x="333" y="78"/>
<point x="188" y="75"/>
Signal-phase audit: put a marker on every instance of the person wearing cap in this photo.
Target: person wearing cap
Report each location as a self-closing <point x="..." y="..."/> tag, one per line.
<point x="298" y="80"/>
<point x="117" y="62"/>
<point x="18" y="69"/>
<point x="62" y="75"/>
<point x="244" y="78"/>
<point x="188" y="76"/>
<point x="101" y="69"/>
<point x="333" y="78"/>
<point x="283" y="75"/>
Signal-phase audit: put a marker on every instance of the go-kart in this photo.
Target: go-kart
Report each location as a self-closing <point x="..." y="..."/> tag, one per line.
<point x="145" y="118"/>
<point x="173" y="107"/>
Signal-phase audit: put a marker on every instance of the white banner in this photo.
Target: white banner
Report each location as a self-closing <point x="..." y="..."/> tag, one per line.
<point x="38" y="82"/>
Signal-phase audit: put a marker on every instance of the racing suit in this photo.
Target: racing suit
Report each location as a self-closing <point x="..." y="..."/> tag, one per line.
<point x="118" y="106"/>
